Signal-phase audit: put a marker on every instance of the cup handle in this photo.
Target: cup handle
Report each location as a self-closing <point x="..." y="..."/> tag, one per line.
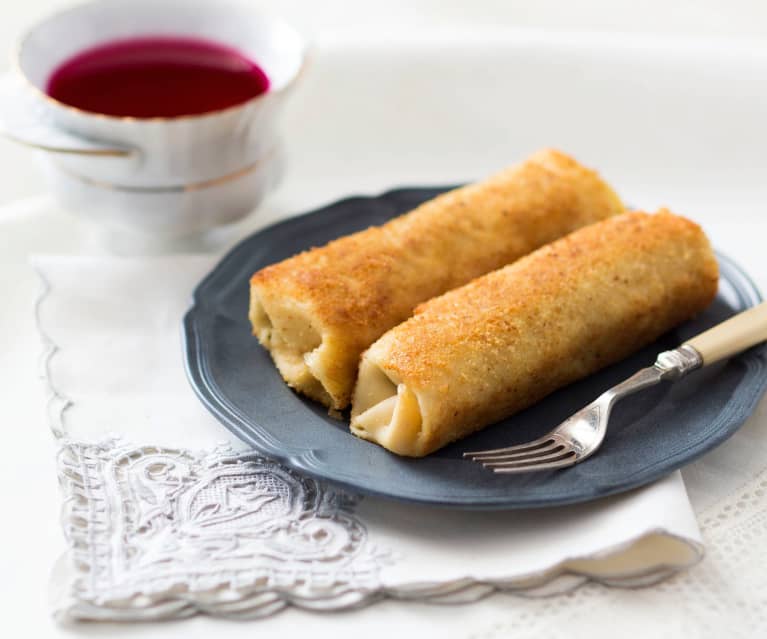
<point x="24" y="121"/>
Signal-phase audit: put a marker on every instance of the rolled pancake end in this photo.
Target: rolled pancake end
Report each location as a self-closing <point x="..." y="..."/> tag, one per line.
<point x="299" y="349"/>
<point x="385" y="411"/>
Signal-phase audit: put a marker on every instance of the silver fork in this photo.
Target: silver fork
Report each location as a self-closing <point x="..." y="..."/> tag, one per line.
<point x="579" y="436"/>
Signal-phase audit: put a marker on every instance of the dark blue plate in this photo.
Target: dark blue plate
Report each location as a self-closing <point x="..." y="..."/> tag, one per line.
<point x="650" y="434"/>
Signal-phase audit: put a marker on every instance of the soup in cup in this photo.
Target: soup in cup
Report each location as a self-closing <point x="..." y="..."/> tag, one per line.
<point x="155" y="117"/>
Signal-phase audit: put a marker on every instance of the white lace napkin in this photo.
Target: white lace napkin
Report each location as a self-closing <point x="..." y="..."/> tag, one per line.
<point x="167" y="515"/>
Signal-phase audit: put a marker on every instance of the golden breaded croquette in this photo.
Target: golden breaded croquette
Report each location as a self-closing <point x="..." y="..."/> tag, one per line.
<point x="484" y="351"/>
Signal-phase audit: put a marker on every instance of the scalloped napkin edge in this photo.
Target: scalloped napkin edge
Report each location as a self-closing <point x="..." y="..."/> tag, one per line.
<point x="166" y="515"/>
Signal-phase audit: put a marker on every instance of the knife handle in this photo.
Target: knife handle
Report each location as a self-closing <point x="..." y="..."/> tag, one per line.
<point x="732" y="336"/>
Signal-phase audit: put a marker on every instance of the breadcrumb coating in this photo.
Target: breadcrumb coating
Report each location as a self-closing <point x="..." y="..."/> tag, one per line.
<point x="484" y="351"/>
<point x="354" y="289"/>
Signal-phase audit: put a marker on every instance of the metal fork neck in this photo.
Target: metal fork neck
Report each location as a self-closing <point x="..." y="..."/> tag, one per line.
<point x="678" y="362"/>
<point x="669" y="365"/>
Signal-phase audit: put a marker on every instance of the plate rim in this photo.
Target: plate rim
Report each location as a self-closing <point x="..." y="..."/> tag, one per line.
<point x="306" y="461"/>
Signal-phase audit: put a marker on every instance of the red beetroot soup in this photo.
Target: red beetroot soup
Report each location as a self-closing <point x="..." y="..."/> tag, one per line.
<point x="157" y="76"/>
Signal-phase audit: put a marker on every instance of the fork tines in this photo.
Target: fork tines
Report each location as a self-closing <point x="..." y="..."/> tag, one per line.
<point x="548" y="452"/>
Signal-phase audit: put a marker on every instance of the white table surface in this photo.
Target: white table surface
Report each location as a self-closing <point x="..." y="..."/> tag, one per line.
<point x="31" y="540"/>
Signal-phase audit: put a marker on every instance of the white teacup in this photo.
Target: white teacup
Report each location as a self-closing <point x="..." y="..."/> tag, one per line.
<point x="167" y="177"/>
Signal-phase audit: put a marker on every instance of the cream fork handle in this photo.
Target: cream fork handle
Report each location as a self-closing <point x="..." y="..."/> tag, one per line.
<point x="732" y="336"/>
